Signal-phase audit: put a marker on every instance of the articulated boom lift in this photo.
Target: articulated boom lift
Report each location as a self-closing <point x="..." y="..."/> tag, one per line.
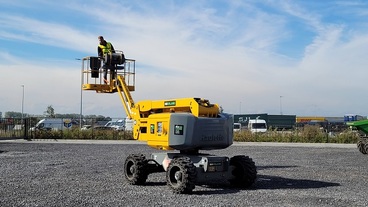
<point x="185" y="125"/>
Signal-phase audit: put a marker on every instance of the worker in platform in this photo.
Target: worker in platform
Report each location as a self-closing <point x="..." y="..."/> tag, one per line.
<point x="104" y="48"/>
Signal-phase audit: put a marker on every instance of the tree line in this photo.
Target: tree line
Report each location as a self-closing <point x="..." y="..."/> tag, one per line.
<point x="50" y="113"/>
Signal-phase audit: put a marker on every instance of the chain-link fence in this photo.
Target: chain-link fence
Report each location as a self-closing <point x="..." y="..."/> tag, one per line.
<point x="60" y="128"/>
<point x="13" y="128"/>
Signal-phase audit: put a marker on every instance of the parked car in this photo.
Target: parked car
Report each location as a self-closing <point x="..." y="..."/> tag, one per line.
<point x="85" y="127"/>
<point x="90" y="127"/>
<point x="53" y="124"/>
<point x="102" y="128"/>
<point x="257" y="125"/>
<point x="116" y="125"/>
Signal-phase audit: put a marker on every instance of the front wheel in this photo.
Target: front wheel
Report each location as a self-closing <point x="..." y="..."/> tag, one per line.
<point x="135" y="169"/>
<point x="362" y="146"/>
<point x="244" y="171"/>
<point x="365" y="150"/>
<point x="181" y="175"/>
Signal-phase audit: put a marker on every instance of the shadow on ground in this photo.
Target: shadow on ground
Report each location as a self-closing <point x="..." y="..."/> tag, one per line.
<point x="263" y="182"/>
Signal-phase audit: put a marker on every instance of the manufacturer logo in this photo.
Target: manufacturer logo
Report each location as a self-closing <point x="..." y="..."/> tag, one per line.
<point x="170" y="103"/>
<point x="212" y="137"/>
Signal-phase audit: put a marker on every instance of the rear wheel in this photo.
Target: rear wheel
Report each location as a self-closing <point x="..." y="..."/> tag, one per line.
<point x="365" y="150"/>
<point x="362" y="146"/>
<point x="181" y="175"/>
<point x="244" y="171"/>
<point x="135" y="169"/>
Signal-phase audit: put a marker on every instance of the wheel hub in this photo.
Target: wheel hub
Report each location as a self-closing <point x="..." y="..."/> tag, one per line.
<point x="178" y="175"/>
<point x="132" y="169"/>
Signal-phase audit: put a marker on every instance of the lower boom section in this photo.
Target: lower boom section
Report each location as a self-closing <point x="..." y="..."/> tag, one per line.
<point x="184" y="171"/>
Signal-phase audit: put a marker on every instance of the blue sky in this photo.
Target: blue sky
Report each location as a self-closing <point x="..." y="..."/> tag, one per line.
<point x="307" y="58"/>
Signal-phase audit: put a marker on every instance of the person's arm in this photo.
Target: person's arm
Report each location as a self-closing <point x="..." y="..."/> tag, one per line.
<point x="99" y="52"/>
<point x="112" y="48"/>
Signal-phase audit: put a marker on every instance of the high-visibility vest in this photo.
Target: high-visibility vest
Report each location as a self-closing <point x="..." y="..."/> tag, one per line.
<point x="106" y="49"/>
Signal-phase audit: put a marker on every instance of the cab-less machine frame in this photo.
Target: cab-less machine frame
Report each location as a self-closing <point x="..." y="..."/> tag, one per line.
<point x="180" y="126"/>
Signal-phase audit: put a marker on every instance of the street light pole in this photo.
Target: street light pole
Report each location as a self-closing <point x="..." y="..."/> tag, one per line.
<point x="81" y="97"/>
<point x="280" y="106"/>
<point x="22" y="100"/>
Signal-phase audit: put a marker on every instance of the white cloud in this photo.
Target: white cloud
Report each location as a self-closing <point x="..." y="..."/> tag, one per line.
<point x="195" y="51"/>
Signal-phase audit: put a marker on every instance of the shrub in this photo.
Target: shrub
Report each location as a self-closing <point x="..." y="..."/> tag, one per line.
<point x="83" y="134"/>
<point x="307" y="134"/>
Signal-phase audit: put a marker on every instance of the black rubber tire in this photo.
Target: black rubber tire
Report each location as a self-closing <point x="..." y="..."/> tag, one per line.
<point x="181" y="175"/>
<point x="365" y="151"/>
<point x="244" y="172"/>
<point x="135" y="169"/>
<point x="362" y="147"/>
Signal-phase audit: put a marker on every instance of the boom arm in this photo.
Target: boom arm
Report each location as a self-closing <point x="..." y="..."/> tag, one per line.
<point x="186" y="124"/>
<point x="125" y="97"/>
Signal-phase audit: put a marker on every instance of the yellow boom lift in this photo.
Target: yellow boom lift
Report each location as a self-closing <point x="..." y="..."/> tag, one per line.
<point x="181" y="127"/>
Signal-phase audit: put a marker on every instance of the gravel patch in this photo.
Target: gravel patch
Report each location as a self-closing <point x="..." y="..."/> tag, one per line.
<point x="83" y="173"/>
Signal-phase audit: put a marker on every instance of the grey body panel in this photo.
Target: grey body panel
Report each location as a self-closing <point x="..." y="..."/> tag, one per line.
<point x="200" y="133"/>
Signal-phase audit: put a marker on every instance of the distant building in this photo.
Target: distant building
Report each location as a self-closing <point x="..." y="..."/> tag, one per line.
<point x="310" y="119"/>
<point x="353" y="117"/>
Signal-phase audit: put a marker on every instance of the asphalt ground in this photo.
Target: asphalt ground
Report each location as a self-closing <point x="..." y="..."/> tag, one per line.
<point x="90" y="173"/>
